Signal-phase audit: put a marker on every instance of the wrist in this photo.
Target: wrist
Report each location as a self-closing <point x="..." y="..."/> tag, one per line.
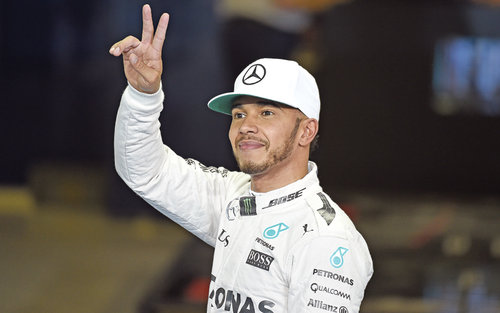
<point x="140" y="91"/>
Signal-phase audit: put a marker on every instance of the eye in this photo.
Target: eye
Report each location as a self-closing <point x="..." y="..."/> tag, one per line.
<point x="267" y="113"/>
<point x="238" y="115"/>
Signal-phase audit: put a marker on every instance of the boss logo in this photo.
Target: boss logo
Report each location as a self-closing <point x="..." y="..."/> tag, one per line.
<point x="259" y="259"/>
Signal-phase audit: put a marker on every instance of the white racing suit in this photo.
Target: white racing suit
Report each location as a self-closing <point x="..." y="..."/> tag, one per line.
<point x="288" y="250"/>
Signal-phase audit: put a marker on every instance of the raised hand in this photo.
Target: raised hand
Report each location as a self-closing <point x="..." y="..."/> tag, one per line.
<point x="142" y="58"/>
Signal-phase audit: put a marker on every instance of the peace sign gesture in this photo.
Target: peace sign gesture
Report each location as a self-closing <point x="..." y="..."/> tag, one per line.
<point x="142" y="58"/>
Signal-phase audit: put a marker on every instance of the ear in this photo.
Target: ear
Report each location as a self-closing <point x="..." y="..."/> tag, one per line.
<point x="310" y="128"/>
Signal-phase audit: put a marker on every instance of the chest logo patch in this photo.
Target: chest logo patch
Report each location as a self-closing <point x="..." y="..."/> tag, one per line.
<point x="259" y="259"/>
<point x="337" y="258"/>
<point x="273" y="231"/>
<point x="248" y="206"/>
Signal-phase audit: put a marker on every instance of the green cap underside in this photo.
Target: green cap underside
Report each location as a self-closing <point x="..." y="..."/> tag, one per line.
<point x="224" y="102"/>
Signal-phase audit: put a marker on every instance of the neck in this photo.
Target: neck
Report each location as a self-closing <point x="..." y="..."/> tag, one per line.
<point x="279" y="176"/>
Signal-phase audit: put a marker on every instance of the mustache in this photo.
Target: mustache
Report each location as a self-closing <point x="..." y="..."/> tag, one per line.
<point x="250" y="137"/>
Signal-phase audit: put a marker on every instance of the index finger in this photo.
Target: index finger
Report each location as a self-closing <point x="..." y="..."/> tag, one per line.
<point x="147" y="24"/>
<point x="161" y="30"/>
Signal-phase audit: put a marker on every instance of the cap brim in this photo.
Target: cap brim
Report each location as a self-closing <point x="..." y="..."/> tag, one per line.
<point x="223" y="103"/>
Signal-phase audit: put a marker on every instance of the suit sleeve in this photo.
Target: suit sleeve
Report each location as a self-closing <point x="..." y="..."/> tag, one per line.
<point x="329" y="273"/>
<point x="184" y="190"/>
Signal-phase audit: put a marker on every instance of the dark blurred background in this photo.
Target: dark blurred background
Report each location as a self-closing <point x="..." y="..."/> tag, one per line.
<point x="409" y="146"/>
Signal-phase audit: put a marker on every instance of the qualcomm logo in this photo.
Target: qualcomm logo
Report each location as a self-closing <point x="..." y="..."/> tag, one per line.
<point x="273" y="231"/>
<point x="337" y="258"/>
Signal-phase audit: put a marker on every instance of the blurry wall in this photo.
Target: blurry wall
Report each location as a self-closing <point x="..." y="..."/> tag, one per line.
<point x="378" y="127"/>
<point x="60" y="90"/>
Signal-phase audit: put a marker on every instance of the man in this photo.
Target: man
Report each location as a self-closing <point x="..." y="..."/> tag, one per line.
<point x="281" y="244"/>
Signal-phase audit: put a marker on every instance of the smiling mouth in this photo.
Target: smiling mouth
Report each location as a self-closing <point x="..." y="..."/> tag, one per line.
<point x="250" y="144"/>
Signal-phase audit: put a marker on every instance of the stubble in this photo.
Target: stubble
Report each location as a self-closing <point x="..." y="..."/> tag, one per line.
<point x="275" y="156"/>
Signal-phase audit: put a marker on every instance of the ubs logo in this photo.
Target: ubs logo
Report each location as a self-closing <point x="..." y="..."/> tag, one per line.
<point x="223" y="239"/>
<point x="254" y="74"/>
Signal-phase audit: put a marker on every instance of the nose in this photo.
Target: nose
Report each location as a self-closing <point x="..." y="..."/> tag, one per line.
<point x="248" y="125"/>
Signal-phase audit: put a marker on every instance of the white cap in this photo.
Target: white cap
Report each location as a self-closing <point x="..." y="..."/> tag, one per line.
<point x="277" y="80"/>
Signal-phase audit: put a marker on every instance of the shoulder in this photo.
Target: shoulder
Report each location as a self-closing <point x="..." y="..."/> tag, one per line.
<point x="330" y="218"/>
<point x="332" y="247"/>
<point x="331" y="233"/>
<point x="237" y="182"/>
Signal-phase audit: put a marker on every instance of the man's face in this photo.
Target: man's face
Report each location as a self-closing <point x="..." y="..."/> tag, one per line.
<point x="262" y="134"/>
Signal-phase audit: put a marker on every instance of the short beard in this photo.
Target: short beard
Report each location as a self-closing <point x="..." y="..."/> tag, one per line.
<point x="276" y="156"/>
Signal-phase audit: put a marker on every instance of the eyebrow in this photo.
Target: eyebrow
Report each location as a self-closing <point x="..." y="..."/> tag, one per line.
<point x="262" y="102"/>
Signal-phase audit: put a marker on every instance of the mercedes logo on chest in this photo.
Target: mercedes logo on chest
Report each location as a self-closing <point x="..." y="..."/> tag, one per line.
<point x="254" y="74"/>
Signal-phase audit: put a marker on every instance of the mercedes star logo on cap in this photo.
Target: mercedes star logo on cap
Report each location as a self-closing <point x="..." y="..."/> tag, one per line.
<point x="254" y="74"/>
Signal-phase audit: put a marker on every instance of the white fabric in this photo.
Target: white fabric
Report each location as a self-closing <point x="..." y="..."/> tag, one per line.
<point x="283" y="258"/>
